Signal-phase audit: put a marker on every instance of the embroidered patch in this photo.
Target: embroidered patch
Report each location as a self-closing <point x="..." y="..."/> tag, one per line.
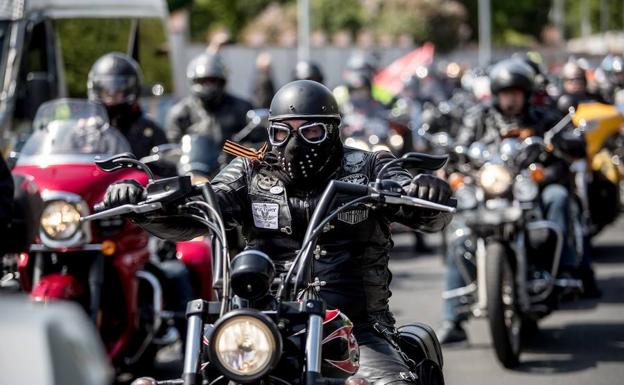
<point x="354" y="161"/>
<point x="265" y="215"/>
<point x="355" y="178"/>
<point x="353" y="217"/>
<point x="265" y="182"/>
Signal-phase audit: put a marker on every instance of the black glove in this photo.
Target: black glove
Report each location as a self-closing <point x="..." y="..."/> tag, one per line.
<point x="124" y="192"/>
<point x="429" y="187"/>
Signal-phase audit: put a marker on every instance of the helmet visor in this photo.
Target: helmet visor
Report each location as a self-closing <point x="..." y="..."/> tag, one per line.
<point x="114" y="90"/>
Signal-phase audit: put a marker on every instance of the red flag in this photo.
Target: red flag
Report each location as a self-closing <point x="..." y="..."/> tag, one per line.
<point x="392" y="78"/>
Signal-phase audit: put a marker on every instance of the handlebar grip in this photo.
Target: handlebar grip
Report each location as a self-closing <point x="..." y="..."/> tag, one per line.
<point x="351" y="188"/>
<point x="98" y="207"/>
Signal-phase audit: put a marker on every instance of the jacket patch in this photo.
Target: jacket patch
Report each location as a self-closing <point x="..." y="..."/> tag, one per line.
<point x="353" y="217"/>
<point x="265" y="215"/>
<point x="354" y="161"/>
<point x="355" y="179"/>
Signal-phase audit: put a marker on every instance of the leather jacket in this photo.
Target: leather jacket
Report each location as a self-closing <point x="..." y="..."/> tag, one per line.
<point x="486" y="124"/>
<point x="221" y="122"/>
<point x="353" y="252"/>
<point x="142" y="133"/>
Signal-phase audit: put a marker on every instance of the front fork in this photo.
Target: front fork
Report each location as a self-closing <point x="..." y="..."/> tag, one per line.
<point x="96" y="280"/>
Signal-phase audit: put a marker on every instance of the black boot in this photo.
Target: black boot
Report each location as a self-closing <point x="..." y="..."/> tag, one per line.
<point x="590" y="287"/>
<point x="451" y="332"/>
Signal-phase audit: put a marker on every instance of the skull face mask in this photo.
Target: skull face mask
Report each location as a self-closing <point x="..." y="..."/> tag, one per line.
<point x="307" y="153"/>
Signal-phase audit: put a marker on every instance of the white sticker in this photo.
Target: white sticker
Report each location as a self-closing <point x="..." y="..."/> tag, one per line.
<point x="265" y="215"/>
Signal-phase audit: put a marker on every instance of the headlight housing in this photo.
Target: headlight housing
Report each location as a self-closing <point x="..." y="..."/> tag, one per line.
<point x="60" y="220"/>
<point x="245" y="345"/>
<point x="495" y="179"/>
<point x="59" y="224"/>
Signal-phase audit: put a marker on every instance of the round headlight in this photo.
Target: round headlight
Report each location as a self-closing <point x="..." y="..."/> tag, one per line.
<point x="396" y="141"/>
<point x="60" y="220"/>
<point x="495" y="179"/>
<point x="525" y="189"/>
<point x="245" y="346"/>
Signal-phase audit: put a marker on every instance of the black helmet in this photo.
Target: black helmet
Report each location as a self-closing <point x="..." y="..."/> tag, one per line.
<point x="362" y="61"/>
<point x="572" y="71"/>
<point x="512" y="73"/>
<point x="358" y="79"/>
<point x="114" y="79"/>
<point x="303" y="99"/>
<point x="204" y="66"/>
<point x="207" y="76"/>
<point x="308" y="70"/>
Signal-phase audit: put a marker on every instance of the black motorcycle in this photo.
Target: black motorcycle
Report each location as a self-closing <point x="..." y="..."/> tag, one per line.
<point x="268" y="327"/>
<point x="507" y="253"/>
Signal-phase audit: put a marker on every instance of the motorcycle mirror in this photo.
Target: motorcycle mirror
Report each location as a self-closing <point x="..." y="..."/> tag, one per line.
<point x="424" y="161"/>
<point x="123" y="160"/>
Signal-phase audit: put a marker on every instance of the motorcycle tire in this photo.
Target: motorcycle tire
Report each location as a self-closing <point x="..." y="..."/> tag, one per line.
<point x="504" y="319"/>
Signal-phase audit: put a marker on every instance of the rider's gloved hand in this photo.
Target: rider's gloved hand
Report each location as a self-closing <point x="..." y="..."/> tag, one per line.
<point x="124" y="192"/>
<point x="429" y="187"/>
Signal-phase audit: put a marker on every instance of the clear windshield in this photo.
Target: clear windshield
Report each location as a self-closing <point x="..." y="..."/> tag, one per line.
<point x="67" y="129"/>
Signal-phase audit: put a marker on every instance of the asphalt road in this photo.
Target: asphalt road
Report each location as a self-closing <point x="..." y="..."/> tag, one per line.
<point x="582" y="343"/>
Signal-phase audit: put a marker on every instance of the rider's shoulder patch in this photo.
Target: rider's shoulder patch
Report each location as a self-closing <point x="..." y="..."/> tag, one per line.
<point x="354" y="161"/>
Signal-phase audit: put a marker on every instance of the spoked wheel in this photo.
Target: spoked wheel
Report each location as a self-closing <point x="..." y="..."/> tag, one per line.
<point x="503" y="315"/>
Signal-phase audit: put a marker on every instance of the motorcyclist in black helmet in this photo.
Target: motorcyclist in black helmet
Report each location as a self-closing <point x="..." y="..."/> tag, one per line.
<point x="574" y="87"/>
<point x="209" y="111"/>
<point x="306" y="153"/>
<point x="611" y="79"/>
<point x="511" y="115"/>
<point x="115" y="81"/>
<point x="308" y="70"/>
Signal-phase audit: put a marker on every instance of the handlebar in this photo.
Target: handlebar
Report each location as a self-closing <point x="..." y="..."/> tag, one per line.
<point x="355" y="190"/>
<point x="121" y="210"/>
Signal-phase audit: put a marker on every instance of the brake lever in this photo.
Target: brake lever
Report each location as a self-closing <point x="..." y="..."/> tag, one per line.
<point x="124" y="209"/>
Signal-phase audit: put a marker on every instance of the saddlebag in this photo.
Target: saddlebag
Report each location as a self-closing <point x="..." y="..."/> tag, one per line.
<point x="419" y="342"/>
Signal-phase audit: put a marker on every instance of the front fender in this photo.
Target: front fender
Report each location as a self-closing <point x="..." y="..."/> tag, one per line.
<point x="57" y="286"/>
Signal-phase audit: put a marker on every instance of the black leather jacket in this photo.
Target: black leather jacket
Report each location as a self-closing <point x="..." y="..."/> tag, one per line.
<point x="189" y="116"/>
<point x="353" y="252"/>
<point x="142" y="133"/>
<point x="485" y="123"/>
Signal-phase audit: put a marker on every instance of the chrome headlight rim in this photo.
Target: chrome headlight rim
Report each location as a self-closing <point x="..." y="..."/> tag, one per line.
<point x="495" y="187"/>
<point x="81" y="236"/>
<point x="238" y="315"/>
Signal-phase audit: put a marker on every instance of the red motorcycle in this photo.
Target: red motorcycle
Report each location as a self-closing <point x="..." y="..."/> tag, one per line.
<point x="104" y="265"/>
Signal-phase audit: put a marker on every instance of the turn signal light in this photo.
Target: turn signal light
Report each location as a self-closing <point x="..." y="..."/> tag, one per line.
<point x="108" y="248"/>
<point x="456" y="180"/>
<point x="537" y="172"/>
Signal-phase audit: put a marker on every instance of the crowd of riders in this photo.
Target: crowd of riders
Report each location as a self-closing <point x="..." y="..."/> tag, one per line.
<point x="308" y="137"/>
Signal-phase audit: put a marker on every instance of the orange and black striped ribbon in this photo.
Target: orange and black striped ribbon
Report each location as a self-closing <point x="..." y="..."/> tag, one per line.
<point x="236" y="149"/>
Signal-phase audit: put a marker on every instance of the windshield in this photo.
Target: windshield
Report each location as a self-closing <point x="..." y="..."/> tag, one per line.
<point x="71" y="130"/>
